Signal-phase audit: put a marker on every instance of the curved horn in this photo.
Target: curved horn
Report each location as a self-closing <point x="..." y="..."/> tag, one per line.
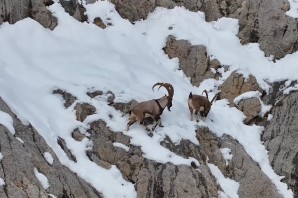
<point x="169" y="88"/>
<point x="160" y="84"/>
<point x="205" y="93"/>
<point x="215" y="97"/>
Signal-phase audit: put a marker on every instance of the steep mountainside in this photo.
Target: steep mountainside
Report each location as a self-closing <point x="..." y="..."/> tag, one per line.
<point x="263" y="22"/>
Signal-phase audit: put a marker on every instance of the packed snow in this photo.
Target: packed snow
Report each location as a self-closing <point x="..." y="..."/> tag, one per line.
<point x="227" y="155"/>
<point x="128" y="59"/>
<point x="42" y="179"/>
<point x="117" y="144"/>
<point x="48" y="157"/>
<point x="229" y="186"/>
<point x="247" y="95"/>
<point x="7" y="121"/>
<point x="290" y="89"/>
<point x="20" y="140"/>
<point x="2" y="182"/>
<point x="293" y="12"/>
<point x="253" y="94"/>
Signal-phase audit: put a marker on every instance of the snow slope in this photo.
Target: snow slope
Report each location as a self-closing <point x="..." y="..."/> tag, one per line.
<point x="127" y="59"/>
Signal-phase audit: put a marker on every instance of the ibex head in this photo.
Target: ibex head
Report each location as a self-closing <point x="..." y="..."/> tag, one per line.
<point x="170" y="90"/>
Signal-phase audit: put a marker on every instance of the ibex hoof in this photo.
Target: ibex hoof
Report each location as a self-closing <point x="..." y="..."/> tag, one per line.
<point x="147" y="129"/>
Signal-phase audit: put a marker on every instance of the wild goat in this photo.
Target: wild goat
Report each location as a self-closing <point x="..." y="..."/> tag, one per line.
<point x="153" y="108"/>
<point x="200" y="104"/>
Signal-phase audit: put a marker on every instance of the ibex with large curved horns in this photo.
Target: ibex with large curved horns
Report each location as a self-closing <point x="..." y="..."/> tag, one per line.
<point x="153" y="108"/>
<point x="199" y="104"/>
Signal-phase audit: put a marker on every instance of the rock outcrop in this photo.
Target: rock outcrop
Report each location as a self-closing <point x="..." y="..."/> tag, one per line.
<point x="263" y="22"/>
<point x="280" y="136"/>
<point x="236" y="85"/>
<point x="25" y="151"/>
<point x="193" y="60"/>
<point x="14" y="10"/>
<point x="251" y="108"/>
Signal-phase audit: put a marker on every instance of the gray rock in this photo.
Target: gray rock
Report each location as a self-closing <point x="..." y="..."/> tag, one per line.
<point x="134" y="10"/>
<point x="193" y="60"/>
<point x="74" y="8"/>
<point x="268" y="25"/>
<point x="280" y="137"/>
<point x="253" y="182"/>
<point x="19" y="160"/>
<point x="83" y="110"/>
<point x="152" y="179"/>
<point x="168" y="180"/>
<point x="14" y="10"/>
<point x="251" y="108"/>
<point x="67" y="97"/>
<point x="97" y="21"/>
<point x="236" y="84"/>
<point x="41" y="14"/>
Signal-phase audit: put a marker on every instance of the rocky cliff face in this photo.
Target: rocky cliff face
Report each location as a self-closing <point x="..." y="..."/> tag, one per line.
<point x="24" y="152"/>
<point x="264" y="22"/>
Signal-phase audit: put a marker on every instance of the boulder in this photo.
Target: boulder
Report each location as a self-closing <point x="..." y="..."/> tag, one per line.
<point x="14" y="10"/>
<point x="193" y="60"/>
<point x="251" y="108"/>
<point x="253" y="182"/>
<point x="236" y="84"/>
<point x="83" y="110"/>
<point x="280" y="138"/>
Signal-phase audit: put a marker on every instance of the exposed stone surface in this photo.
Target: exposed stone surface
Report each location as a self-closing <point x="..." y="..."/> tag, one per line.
<point x="67" y="97"/>
<point x="83" y="110"/>
<point x="281" y="137"/>
<point x="236" y="84"/>
<point x="20" y="159"/>
<point x="97" y="21"/>
<point x="152" y="178"/>
<point x="74" y="8"/>
<point x="14" y="10"/>
<point x="253" y="182"/>
<point x="41" y="14"/>
<point x="193" y="60"/>
<point x="268" y="25"/>
<point x="77" y="135"/>
<point x="251" y="108"/>
<point x="264" y="22"/>
<point x="93" y="94"/>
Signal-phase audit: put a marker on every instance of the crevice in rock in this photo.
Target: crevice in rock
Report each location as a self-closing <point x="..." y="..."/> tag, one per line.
<point x="285" y="30"/>
<point x="30" y="14"/>
<point x="158" y="187"/>
<point x="48" y="3"/>
<point x="63" y="146"/>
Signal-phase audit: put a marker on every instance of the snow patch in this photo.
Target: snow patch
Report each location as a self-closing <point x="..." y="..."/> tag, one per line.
<point x="42" y="179"/>
<point x="226" y="153"/>
<point x="7" y="121"/>
<point x="48" y="157"/>
<point x="229" y="186"/>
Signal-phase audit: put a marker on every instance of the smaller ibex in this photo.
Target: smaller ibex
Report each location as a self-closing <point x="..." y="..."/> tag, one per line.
<point x="199" y="104"/>
<point x="152" y="108"/>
